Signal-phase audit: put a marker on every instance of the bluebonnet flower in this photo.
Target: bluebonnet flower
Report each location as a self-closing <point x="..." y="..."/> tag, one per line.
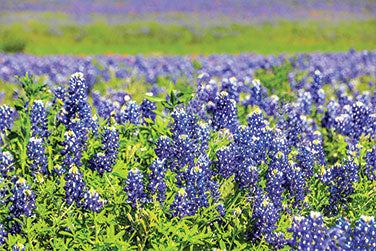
<point x="227" y="163"/>
<point x="134" y="187"/>
<point x="317" y="148"/>
<point x="258" y="124"/>
<point x="92" y="201"/>
<point x="332" y="112"/>
<point x="231" y="87"/>
<point x="184" y="152"/>
<point x="121" y="97"/>
<point x="343" y="124"/>
<point x="181" y="206"/>
<point x="247" y="150"/>
<point x="343" y="98"/>
<point x="58" y="170"/>
<point x="370" y="158"/>
<point x="316" y="85"/>
<point x="37" y="158"/>
<point x="3" y="190"/>
<point x="18" y="247"/>
<point x="195" y="106"/>
<point x="59" y="94"/>
<point x="225" y="114"/>
<point x="296" y="185"/>
<point x="157" y="185"/>
<point x="277" y="239"/>
<point x="221" y="209"/>
<point x="106" y="108"/>
<point x="184" y="123"/>
<point x="340" y="180"/>
<point x="6" y="163"/>
<point x="6" y="120"/>
<point x="38" y="119"/>
<point x="198" y="184"/>
<point x="371" y="130"/>
<point x="305" y="101"/>
<point x="255" y="94"/>
<point x="129" y="113"/>
<point x="360" y="114"/>
<point x="310" y="233"/>
<point x="274" y="186"/>
<point x="247" y="175"/>
<point x="292" y="124"/>
<point x="72" y="152"/>
<point x="155" y="90"/>
<point x="74" y="186"/>
<point x="147" y="108"/>
<point x="76" y="105"/>
<point x="321" y="97"/>
<point x="163" y="147"/>
<point x="106" y="159"/>
<point x="264" y="217"/>
<point x="22" y="202"/>
<point x="202" y="136"/>
<point x="206" y="89"/>
<point x="3" y="235"/>
<point x="354" y="120"/>
<point x="270" y="105"/>
<point x="76" y="116"/>
<point x="306" y="160"/>
<point x="362" y="237"/>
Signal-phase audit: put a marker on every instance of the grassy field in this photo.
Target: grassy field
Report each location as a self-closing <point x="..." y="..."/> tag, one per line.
<point x="149" y="37"/>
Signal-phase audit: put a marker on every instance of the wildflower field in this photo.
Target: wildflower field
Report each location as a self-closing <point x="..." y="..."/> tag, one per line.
<point x="203" y="151"/>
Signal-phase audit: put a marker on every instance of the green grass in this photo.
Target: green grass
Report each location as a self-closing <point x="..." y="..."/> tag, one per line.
<point x="149" y="37"/>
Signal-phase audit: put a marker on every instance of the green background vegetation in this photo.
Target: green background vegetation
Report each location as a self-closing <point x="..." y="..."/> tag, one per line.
<point x="151" y="37"/>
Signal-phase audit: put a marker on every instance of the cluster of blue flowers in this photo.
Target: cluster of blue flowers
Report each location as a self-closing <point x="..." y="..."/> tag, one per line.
<point x="340" y="180"/>
<point x="363" y="235"/>
<point x="3" y="235"/>
<point x="134" y="187"/>
<point x="6" y="163"/>
<point x="36" y="153"/>
<point x="157" y="185"/>
<point x="147" y="108"/>
<point x="225" y="112"/>
<point x="185" y="155"/>
<point x="22" y="203"/>
<point x="6" y="120"/>
<point x="106" y="158"/>
<point x="92" y="201"/>
<point x="39" y="131"/>
<point x="310" y="233"/>
<point x="118" y="104"/>
<point x="38" y="119"/>
<point x="370" y="158"/>
<point x="74" y="186"/>
<point x="76" y="116"/>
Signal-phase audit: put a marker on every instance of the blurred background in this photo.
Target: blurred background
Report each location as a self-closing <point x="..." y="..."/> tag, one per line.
<point x="81" y="27"/>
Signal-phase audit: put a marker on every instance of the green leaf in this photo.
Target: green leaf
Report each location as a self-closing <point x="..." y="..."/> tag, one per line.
<point x="154" y="99"/>
<point x="222" y="245"/>
<point x="196" y="65"/>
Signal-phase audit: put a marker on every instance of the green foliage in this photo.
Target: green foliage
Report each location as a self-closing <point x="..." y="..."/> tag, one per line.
<point x="13" y="39"/>
<point x="276" y="81"/>
<point x="150" y="38"/>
